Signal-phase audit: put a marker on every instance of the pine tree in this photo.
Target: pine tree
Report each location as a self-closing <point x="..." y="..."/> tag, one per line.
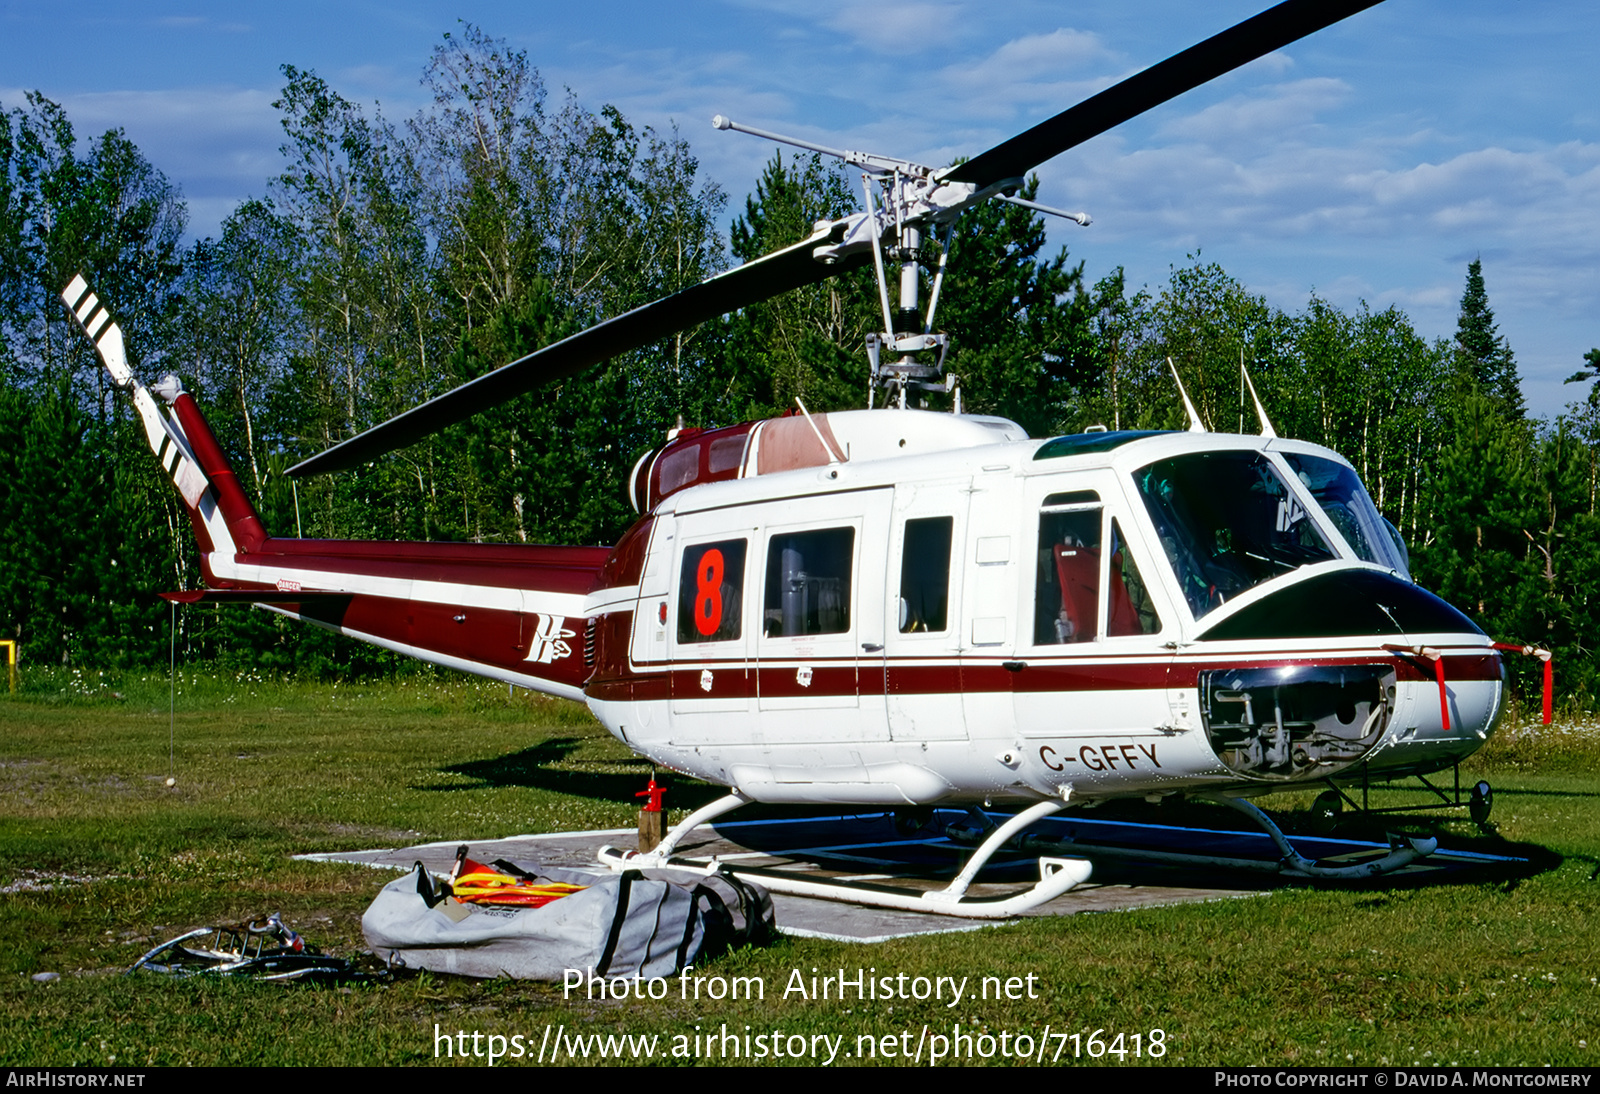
<point x="1591" y="371"/>
<point x="1019" y="322"/>
<point x="1486" y="504"/>
<point x="1481" y="353"/>
<point x="809" y="342"/>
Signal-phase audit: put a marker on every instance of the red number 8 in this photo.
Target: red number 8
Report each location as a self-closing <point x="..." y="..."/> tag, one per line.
<point x="708" y="593"/>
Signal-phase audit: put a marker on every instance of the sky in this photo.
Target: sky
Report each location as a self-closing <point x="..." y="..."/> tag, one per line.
<point x="1370" y="162"/>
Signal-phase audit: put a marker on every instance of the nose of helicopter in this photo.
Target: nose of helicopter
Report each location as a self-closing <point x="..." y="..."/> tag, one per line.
<point x="1383" y="673"/>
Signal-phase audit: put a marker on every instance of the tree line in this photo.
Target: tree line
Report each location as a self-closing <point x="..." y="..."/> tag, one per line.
<point x="391" y="260"/>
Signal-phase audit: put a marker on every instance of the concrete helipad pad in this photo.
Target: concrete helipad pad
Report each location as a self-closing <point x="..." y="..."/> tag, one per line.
<point x="1129" y="870"/>
<point x="828" y="858"/>
<point x="866" y="848"/>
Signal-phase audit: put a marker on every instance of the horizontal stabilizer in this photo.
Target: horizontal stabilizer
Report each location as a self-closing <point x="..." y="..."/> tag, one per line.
<point x="251" y="596"/>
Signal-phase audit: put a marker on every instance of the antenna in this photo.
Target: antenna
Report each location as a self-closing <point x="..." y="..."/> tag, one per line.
<point x="1261" y="413"/>
<point x="1195" y="424"/>
<point x="833" y="457"/>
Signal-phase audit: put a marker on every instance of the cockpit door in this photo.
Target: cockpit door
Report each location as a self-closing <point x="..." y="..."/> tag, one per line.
<point x="1094" y="645"/>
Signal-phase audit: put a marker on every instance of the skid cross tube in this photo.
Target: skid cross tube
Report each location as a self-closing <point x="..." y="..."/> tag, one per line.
<point x="1056" y="875"/>
<point x="1452" y="800"/>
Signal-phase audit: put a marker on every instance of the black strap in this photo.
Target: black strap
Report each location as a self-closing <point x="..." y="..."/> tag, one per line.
<point x="624" y="897"/>
<point x="425" y="887"/>
<point x="697" y="915"/>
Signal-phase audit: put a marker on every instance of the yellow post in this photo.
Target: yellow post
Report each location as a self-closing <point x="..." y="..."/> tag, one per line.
<point x="11" y="660"/>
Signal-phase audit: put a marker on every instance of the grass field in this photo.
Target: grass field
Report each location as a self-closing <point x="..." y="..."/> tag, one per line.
<point x="99" y="860"/>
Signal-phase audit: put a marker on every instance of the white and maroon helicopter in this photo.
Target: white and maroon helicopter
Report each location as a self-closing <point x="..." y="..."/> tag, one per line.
<point x="903" y="609"/>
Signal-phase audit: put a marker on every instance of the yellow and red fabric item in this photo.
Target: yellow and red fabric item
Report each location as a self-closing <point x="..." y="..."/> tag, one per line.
<point x="476" y="883"/>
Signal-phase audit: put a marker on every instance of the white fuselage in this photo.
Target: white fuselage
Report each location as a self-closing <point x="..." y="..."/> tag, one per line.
<point x="996" y="622"/>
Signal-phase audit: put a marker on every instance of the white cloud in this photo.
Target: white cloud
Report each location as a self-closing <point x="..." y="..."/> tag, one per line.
<point x="219" y="144"/>
<point x="1030" y="58"/>
<point x="1274" y="114"/>
<point x="1020" y="77"/>
<point x="895" y="28"/>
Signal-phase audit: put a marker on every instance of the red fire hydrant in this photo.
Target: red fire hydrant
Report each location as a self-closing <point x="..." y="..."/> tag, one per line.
<point x="652" y="821"/>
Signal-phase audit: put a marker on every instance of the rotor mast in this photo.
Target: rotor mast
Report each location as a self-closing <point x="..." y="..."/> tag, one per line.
<point x="913" y="201"/>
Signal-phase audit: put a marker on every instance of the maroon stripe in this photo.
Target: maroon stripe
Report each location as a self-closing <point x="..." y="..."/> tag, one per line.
<point x="730" y="680"/>
<point x="511" y="553"/>
<point x="655" y="686"/>
<point x="1058" y="676"/>
<point x="784" y="683"/>
<point x="485" y="636"/>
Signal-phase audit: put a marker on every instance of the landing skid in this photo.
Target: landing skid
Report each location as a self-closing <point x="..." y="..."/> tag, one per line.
<point x="1403" y="851"/>
<point x="1056" y="875"/>
<point x="1062" y="863"/>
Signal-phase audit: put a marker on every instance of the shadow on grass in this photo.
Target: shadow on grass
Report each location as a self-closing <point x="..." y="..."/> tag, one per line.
<point x="546" y="766"/>
<point x="1130" y="842"/>
<point x="1520" y="793"/>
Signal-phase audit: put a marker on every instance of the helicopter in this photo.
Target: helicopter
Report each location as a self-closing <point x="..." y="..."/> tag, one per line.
<point x="905" y="609"/>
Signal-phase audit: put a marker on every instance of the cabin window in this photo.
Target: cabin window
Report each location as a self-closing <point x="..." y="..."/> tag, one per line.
<point x="1228" y="522"/>
<point x="808" y="582"/>
<point x="711" y="591"/>
<point x="1067" y="589"/>
<point x="925" y="575"/>
<point x="679" y="468"/>
<point x="727" y="453"/>
<point x="1130" y="610"/>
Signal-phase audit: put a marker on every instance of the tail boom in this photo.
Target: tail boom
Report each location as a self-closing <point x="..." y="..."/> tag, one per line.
<point x="510" y="612"/>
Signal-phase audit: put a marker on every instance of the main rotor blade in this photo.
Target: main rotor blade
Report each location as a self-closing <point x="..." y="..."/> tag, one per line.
<point x="1255" y="37"/>
<point x="740" y="287"/>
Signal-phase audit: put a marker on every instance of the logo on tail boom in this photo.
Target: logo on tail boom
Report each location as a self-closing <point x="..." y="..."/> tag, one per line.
<point x="549" y="639"/>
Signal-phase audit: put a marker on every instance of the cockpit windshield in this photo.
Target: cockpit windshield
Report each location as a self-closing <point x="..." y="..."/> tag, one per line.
<point x="1345" y="500"/>
<point x="1228" y="523"/>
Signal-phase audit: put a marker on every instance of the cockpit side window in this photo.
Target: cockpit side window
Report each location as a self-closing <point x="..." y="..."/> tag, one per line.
<point x="1227" y="522"/>
<point x="711" y="591"/>
<point x="1067" y="586"/>
<point x="1350" y="509"/>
